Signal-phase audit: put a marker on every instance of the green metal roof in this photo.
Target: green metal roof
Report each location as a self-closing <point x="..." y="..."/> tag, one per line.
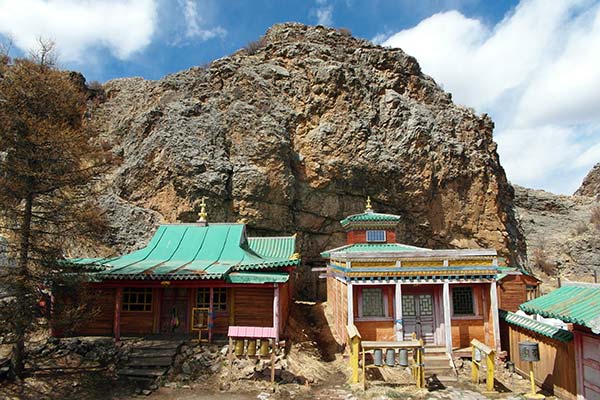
<point x="278" y="247"/>
<point x="258" y="277"/>
<point x="574" y="303"/>
<point x="370" y="217"/>
<point x="194" y="251"/>
<point x="536" y="326"/>
<point x="372" y="247"/>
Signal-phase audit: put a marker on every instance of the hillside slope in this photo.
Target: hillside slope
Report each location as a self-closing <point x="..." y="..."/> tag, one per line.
<point x="293" y="134"/>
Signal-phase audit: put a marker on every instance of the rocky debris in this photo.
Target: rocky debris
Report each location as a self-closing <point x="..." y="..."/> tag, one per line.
<point x="294" y="136"/>
<point x="559" y="231"/>
<point x="591" y="184"/>
<point x="73" y="353"/>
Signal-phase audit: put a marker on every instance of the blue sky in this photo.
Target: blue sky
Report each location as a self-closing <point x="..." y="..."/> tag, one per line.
<point x="530" y="64"/>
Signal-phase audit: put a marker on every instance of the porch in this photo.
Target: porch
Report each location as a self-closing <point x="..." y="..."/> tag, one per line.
<point x="167" y="309"/>
<point x="445" y="314"/>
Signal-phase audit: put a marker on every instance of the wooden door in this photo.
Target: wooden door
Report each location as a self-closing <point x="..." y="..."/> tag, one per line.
<point x="174" y="311"/>
<point x="591" y="367"/>
<point x="418" y="316"/>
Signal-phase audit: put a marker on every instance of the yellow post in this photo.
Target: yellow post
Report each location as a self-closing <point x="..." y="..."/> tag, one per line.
<point x="354" y="341"/>
<point x="364" y="376"/>
<point x="489" y="380"/>
<point x="420" y="367"/>
<point x="533" y="394"/>
<point x="474" y="367"/>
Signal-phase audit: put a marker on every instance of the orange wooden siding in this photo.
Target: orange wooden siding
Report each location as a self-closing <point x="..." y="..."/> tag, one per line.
<point x="555" y="371"/>
<point x="254" y="306"/>
<point x="376" y="330"/>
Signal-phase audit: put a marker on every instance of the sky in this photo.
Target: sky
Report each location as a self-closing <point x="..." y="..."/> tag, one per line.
<point x="532" y="65"/>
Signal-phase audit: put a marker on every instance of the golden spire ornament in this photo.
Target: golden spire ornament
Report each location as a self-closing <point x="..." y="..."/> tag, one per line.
<point x="202" y="214"/>
<point x="368" y="205"/>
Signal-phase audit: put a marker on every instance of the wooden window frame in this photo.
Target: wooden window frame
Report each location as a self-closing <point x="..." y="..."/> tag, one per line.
<point x="218" y="305"/>
<point x="386" y="311"/>
<point x="473" y="303"/>
<point x="137" y="297"/>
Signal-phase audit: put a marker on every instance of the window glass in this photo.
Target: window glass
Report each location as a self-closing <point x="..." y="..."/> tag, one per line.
<point x="462" y="300"/>
<point x="137" y="299"/>
<point x="372" y="302"/>
<point x="219" y="298"/>
<point x="375" y="236"/>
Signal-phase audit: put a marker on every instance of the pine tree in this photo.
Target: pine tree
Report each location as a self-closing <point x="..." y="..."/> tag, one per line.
<point x="50" y="162"/>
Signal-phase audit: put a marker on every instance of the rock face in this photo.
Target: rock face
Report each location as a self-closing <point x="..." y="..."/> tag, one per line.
<point x="560" y="229"/>
<point x="591" y="183"/>
<point x="293" y="134"/>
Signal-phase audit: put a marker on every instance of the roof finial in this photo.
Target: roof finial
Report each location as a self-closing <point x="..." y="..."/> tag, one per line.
<point x="202" y="214"/>
<point x="368" y="205"/>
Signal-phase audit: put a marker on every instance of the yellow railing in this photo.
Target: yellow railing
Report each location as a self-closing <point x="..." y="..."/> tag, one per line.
<point x="480" y="350"/>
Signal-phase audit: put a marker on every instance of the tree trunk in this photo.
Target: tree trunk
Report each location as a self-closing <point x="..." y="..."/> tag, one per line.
<point x="22" y="307"/>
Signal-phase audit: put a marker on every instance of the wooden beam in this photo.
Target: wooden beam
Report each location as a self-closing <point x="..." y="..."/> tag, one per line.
<point x="495" y="316"/>
<point x="447" y="316"/>
<point x="276" y="312"/>
<point x="117" y="321"/>
<point x="350" y="304"/>
<point x="398" y="312"/>
<point x="231" y="298"/>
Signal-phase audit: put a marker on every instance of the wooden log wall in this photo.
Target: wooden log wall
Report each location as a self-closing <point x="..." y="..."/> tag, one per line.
<point x="337" y="299"/>
<point x="102" y="323"/>
<point x="512" y="292"/>
<point x="466" y="328"/>
<point x="254" y="306"/>
<point x="555" y="371"/>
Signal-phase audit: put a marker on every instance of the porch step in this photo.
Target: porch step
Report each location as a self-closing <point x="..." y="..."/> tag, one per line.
<point x="438" y="363"/>
<point x="149" y="360"/>
<point x="142" y="372"/>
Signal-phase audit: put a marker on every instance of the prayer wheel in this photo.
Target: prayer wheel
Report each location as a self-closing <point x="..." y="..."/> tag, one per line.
<point x="529" y="351"/>
<point x="251" y="350"/>
<point x="378" y="357"/>
<point x="403" y="357"/>
<point x="264" y="347"/>
<point x="239" y="347"/>
<point x="390" y="357"/>
<point x="477" y="355"/>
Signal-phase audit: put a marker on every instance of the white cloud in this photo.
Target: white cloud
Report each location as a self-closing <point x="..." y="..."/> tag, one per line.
<point x="122" y="26"/>
<point x="324" y="13"/>
<point x="536" y="72"/>
<point x="194" y="23"/>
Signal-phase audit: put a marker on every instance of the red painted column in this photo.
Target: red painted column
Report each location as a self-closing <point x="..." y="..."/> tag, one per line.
<point x="210" y="316"/>
<point x="117" y="322"/>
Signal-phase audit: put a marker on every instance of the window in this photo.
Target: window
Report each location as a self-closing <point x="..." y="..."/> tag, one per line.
<point x="375" y="236"/>
<point x="219" y="298"/>
<point x="137" y="299"/>
<point x="533" y="292"/>
<point x="462" y="300"/>
<point x="372" y="302"/>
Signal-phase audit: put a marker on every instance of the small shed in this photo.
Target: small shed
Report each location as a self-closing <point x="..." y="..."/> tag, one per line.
<point x="577" y="304"/>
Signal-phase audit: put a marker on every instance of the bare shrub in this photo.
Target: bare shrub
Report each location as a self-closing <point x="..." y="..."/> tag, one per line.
<point x="595" y="217"/>
<point x="543" y="263"/>
<point x="345" y="32"/>
<point x="255" y="45"/>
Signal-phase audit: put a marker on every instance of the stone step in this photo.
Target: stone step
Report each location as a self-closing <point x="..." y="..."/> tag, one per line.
<point x="151" y="353"/>
<point x="142" y="372"/>
<point x="157" y="345"/>
<point x="149" y="361"/>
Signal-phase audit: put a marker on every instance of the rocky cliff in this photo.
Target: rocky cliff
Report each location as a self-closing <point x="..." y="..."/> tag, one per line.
<point x="591" y="184"/>
<point x="292" y="133"/>
<point x="561" y="232"/>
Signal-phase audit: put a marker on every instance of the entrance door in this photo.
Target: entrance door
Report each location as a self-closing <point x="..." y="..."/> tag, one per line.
<point x="174" y="311"/>
<point x="417" y="316"/>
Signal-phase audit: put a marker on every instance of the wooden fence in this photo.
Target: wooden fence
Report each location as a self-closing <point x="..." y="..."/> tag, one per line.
<point x="555" y="372"/>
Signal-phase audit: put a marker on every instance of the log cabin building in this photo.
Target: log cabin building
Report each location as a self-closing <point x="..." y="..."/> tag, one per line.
<point x="390" y="290"/>
<point x="190" y="269"/>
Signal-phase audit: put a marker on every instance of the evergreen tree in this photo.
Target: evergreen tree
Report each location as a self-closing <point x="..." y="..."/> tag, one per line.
<point x="50" y="162"/>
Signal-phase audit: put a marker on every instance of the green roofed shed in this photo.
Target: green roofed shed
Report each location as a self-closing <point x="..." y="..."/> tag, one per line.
<point x="574" y="303"/>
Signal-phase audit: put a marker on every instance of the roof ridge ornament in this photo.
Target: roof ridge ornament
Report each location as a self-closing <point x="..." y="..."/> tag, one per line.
<point x="368" y="207"/>
<point x="203" y="214"/>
